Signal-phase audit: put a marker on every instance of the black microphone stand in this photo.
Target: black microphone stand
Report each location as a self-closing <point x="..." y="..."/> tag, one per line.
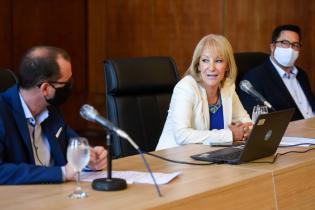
<point x="109" y="183"/>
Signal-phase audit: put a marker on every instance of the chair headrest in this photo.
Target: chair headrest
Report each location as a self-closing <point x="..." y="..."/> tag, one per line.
<point x="7" y="79"/>
<point x="140" y="75"/>
<point x="249" y="60"/>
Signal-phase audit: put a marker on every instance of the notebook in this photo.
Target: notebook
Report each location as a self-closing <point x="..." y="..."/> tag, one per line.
<point x="263" y="141"/>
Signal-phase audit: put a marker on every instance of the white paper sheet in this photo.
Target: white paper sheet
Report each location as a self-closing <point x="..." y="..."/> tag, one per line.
<point x="131" y="176"/>
<point x="288" y="141"/>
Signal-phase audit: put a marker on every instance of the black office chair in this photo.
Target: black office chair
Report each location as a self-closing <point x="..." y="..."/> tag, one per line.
<point x="138" y="93"/>
<point x="7" y="79"/>
<point x="246" y="61"/>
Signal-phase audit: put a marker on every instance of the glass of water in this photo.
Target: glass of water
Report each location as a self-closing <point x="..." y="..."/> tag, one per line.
<point x="258" y="110"/>
<point x="78" y="155"/>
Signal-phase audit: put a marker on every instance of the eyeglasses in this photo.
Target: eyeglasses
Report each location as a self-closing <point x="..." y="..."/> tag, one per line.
<point x="68" y="83"/>
<point x="286" y="44"/>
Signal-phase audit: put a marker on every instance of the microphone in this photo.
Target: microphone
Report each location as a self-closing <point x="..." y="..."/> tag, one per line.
<point x="248" y="88"/>
<point x="89" y="113"/>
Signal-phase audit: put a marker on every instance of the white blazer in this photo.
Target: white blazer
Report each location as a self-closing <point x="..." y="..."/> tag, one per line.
<point x="188" y="119"/>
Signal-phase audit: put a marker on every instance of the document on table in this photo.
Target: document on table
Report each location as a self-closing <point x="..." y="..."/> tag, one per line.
<point x="289" y="141"/>
<point x="131" y="176"/>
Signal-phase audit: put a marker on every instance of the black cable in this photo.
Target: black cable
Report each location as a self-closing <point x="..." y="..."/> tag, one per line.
<point x="280" y="154"/>
<point x="271" y="162"/>
<point x="176" y="161"/>
<point x="211" y="163"/>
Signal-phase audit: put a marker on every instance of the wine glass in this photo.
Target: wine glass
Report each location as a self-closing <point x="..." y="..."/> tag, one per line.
<point x="78" y="155"/>
<point x="258" y="110"/>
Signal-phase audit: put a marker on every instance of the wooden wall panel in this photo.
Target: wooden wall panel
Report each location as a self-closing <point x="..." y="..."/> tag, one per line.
<point x="162" y="27"/>
<point x="245" y="25"/>
<point x="96" y="43"/>
<point x="135" y="37"/>
<point x="249" y="23"/>
<point x="144" y="28"/>
<point x="58" y="23"/>
<point x="120" y="29"/>
<point x="96" y="53"/>
<point x="49" y="23"/>
<point x="177" y="29"/>
<point x="5" y="34"/>
<point x="92" y="31"/>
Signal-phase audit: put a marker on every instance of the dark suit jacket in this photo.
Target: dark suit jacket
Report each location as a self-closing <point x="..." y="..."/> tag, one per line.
<point x="17" y="164"/>
<point x="268" y="83"/>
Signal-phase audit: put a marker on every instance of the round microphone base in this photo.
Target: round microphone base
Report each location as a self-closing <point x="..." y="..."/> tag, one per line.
<point x="112" y="184"/>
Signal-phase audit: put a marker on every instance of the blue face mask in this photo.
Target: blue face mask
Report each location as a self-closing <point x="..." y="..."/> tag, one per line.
<point x="285" y="56"/>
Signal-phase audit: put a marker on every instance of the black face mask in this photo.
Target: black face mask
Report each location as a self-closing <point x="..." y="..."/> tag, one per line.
<point x="61" y="95"/>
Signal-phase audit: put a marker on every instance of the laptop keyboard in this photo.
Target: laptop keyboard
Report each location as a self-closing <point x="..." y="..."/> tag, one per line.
<point x="221" y="155"/>
<point x="226" y="154"/>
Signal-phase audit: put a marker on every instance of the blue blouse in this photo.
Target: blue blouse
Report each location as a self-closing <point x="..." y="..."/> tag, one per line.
<point x="216" y="119"/>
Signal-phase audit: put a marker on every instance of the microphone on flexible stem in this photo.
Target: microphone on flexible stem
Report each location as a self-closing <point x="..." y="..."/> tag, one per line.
<point x="248" y="88"/>
<point x="89" y="113"/>
<point x="109" y="184"/>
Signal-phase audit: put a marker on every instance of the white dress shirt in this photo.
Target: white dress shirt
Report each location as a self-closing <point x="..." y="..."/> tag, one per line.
<point x="40" y="144"/>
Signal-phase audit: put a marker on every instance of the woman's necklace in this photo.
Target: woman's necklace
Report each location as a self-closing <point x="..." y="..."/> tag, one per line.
<point x="215" y="107"/>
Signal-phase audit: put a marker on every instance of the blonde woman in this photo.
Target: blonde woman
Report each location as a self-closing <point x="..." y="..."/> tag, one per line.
<point x="205" y="107"/>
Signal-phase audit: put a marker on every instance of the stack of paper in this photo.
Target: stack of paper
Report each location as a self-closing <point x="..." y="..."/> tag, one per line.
<point x="289" y="141"/>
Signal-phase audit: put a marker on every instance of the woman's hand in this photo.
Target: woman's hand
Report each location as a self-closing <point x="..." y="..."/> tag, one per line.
<point x="247" y="128"/>
<point x="240" y="130"/>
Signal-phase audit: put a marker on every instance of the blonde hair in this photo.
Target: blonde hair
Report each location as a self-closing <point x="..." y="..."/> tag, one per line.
<point x="218" y="45"/>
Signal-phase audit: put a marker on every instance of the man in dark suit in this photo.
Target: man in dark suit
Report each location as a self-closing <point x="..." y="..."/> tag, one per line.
<point x="282" y="83"/>
<point x="33" y="134"/>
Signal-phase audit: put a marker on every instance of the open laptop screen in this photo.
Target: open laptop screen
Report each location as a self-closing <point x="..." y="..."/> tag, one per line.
<point x="263" y="141"/>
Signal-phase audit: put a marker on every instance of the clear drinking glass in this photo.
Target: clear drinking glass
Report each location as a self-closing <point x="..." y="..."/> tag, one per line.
<point x="258" y="110"/>
<point x="78" y="155"/>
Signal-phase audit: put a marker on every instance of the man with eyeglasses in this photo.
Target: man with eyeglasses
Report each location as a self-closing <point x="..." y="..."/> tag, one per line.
<point x="282" y="83"/>
<point x="33" y="134"/>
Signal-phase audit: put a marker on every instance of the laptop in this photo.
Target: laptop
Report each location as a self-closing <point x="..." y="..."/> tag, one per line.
<point x="263" y="141"/>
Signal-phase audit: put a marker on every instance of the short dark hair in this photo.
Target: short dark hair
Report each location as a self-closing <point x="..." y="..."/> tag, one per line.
<point x="289" y="27"/>
<point x="40" y="64"/>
